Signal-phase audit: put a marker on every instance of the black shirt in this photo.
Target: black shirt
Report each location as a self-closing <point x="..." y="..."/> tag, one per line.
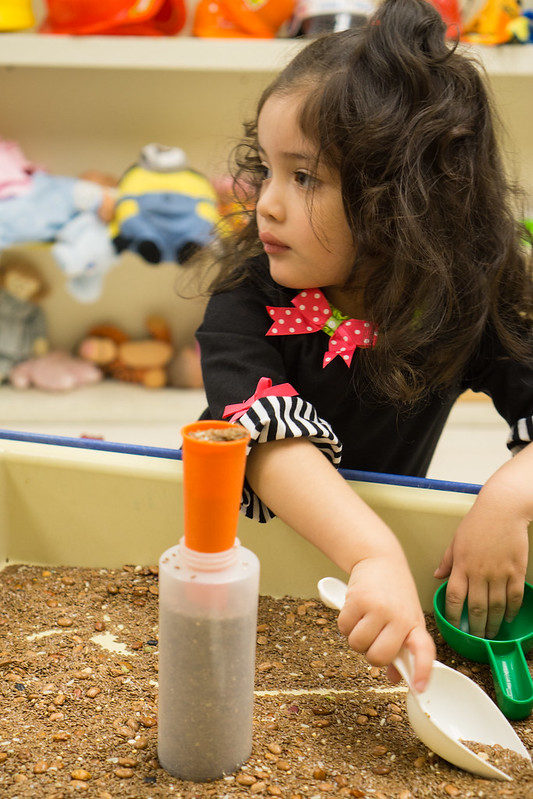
<point x="355" y="429"/>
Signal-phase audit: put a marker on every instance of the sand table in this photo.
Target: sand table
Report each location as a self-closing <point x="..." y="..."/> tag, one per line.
<point x="78" y="677"/>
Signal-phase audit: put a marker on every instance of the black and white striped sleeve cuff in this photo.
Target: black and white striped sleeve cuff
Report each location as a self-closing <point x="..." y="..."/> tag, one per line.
<point x="272" y="418"/>
<point x="521" y="434"/>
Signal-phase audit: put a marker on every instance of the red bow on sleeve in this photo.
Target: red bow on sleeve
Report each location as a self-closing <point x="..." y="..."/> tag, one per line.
<point x="264" y="389"/>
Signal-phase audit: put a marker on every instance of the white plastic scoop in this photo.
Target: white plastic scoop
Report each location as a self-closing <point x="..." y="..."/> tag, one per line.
<point x="452" y="709"/>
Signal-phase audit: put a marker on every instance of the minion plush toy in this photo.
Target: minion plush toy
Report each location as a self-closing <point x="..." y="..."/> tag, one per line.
<point x="164" y="211"/>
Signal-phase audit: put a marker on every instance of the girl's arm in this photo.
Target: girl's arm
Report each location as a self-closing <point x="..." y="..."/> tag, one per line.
<point x="487" y="558"/>
<point x="382" y="611"/>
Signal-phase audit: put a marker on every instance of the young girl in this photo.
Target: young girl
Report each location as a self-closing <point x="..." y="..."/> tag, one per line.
<point x="380" y="273"/>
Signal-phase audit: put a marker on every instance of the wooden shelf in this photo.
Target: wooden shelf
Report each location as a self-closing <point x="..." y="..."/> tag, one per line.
<point x="142" y="52"/>
<point x="200" y="55"/>
<point x="512" y="60"/>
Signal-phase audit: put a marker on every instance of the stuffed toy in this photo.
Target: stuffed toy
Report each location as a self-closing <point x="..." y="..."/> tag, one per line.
<point x="15" y="170"/>
<point x="23" y="329"/>
<point x="185" y="370"/>
<point x="145" y="361"/>
<point x="241" y="18"/>
<point x="36" y="206"/>
<point x="55" y="371"/>
<point x="45" y="204"/>
<point x="16" y="16"/>
<point x="164" y="211"/>
<point x="115" y="17"/>
<point x="496" y="22"/>
<point x="85" y="253"/>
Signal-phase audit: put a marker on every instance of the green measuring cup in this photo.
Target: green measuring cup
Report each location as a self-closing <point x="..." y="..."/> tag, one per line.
<point x="505" y="653"/>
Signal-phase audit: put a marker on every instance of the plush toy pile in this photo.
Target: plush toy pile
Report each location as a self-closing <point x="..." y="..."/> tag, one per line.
<point x="26" y="359"/>
<point x="160" y="208"/>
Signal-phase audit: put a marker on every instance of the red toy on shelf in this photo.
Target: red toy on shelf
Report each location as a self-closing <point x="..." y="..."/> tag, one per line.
<point x="115" y="17"/>
<point x="241" y="18"/>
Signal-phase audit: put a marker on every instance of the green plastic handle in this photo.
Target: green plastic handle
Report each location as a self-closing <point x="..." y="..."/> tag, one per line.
<point x="512" y="679"/>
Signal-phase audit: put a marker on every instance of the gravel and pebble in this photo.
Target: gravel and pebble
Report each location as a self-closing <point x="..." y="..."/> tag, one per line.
<point x="78" y="687"/>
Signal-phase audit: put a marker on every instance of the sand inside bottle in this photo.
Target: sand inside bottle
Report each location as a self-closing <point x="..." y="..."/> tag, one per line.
<point x="208" y="665"/>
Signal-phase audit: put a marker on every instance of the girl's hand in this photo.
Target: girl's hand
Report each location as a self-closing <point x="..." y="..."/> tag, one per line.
<point x="487" y="558"/>
<point x="378" y="624"/>
<point x="487" y="562"/>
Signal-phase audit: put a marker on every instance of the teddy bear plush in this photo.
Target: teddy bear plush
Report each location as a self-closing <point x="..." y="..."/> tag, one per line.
<point x="144" y="361"/>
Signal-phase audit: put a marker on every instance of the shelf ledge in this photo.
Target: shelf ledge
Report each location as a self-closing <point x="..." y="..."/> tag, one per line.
<point x="187" y="53"/>
<point x="142" y="52"/>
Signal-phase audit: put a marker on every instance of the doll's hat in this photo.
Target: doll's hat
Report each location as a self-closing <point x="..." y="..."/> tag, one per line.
<point x="114" y="17"/>
<point x="16" y="15"/>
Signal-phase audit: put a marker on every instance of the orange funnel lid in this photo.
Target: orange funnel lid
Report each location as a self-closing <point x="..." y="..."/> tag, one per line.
<point x="214" y="461"/>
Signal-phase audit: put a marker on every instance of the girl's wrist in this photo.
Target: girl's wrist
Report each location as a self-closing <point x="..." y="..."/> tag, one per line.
<point x="503" y="495"/>
<point x="383" y="545"/>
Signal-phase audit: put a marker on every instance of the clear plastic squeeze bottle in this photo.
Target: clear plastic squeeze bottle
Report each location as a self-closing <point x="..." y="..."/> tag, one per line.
<point x="208" y="595"/>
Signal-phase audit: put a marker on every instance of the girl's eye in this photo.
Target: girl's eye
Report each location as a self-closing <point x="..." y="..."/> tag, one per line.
<point x="304" y="179"/>
<point x="263" y="171"/>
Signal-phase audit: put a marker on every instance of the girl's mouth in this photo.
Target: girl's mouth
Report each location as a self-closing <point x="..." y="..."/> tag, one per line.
<point x="272" y="245"/>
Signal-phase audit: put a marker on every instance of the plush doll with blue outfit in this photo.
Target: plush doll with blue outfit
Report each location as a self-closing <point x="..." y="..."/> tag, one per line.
<point x="164" y="211"/>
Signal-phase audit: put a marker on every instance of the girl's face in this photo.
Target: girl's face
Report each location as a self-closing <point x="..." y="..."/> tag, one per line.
<point x="300" y="215"/>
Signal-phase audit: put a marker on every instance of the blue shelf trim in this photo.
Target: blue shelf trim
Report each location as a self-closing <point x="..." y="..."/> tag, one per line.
<point x="175" y="454"/>
<point x="413" y="482"/>
<point x="91" y="443"/>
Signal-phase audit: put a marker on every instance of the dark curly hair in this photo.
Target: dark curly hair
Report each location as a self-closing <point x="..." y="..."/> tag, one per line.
<point x="408" y="123"/>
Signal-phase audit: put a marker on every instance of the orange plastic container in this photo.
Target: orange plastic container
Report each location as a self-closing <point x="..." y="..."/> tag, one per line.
<point x="114" y="17"/>
<point x="241" y="18"/>
<point x="213" y="477"/>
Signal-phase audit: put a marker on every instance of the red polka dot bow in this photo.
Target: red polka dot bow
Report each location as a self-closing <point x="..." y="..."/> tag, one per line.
<point x="312" y="312"/>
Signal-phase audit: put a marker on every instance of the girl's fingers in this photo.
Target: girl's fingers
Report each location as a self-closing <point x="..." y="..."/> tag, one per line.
<point x="489" y="603"/>
<point x="515" y="596"/>
<point x="497" y="604"/>
<point x="385" y="646"/>
<point x="380" y="642"/>
<point x="456" y="592"/>
<point x="389" y="641"/>
<point x="350" y="615"/>
<point x="364" y="636"/>
<point x="478" y="608"/>
<point x="422" y="647"/>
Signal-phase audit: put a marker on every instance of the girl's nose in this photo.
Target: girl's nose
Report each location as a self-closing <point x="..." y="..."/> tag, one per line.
<point x="271" y="201"/>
